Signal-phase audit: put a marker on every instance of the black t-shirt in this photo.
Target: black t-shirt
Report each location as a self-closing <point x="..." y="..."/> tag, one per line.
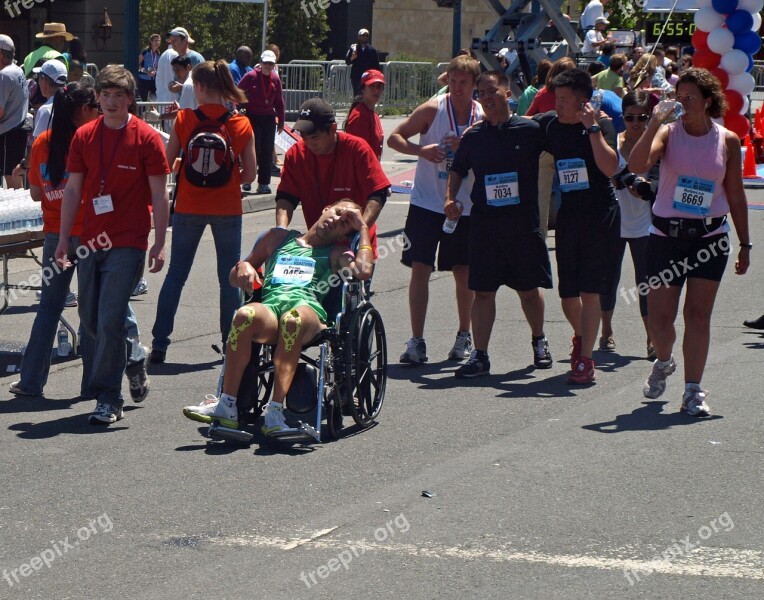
<point x="505" y="161"/>
<point x="571" y="143"/>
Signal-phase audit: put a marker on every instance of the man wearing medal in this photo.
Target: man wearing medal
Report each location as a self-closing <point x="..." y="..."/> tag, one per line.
<point x="265" y="111"/>
<point x="502" y="152"/>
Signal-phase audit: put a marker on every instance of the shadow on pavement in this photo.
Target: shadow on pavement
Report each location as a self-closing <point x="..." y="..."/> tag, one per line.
<point x="19" y="404"/>
<point x="649" y="417"/>
<point x="169" y="368"/>
<point x="74" y="424"/>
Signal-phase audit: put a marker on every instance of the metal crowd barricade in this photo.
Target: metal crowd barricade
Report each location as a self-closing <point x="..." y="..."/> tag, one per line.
<point x="757" y="96"/>
<point x="301" y="80"/>
<point x="408" y="84"/>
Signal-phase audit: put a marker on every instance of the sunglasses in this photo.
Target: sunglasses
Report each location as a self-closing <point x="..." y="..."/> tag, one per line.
<point x="632" y="118"/>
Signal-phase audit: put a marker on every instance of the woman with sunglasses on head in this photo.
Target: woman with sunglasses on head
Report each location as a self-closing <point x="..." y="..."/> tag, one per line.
<point x="700" y="182"/>
<point x="73" y="106"/>
<point x="363" y="121"/>
<point x="635" y="194"/>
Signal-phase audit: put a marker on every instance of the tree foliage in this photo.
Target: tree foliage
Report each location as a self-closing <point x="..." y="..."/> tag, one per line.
<point x="218" y="28"/>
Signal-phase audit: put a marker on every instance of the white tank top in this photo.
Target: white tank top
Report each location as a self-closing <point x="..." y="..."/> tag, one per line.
<point x="430" y="180"/>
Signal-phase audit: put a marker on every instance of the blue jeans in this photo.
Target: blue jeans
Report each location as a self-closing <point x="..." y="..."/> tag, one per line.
<point x="187" y="230"/>
<point x="35" y="364"/>
<point x="107" y="277"/>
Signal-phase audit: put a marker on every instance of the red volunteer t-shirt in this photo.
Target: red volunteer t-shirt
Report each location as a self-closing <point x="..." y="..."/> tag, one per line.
<point x="51" y="195"/>
<point x="126" y="157"/>
<point x="224" y="200"/>
<point x="351" y="171"/>
<point x="365" y="124"/>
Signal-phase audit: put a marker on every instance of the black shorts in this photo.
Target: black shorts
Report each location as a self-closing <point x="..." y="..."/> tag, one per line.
<point x="13" y="146"/>
<point x="671" y="261"/>
<point x="501" y="253"/>
<point x="424" y="230"/>
<point x="586" y="246"/>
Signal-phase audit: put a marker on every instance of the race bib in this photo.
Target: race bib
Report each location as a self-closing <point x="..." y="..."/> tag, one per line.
<point x="445" y="166"/>
<point x="573" y="174"/>
<point x="103" y="204"/>
<point x="293" y="270"/>
<point x="502" y="189"/>
<point x="693" y="195"/>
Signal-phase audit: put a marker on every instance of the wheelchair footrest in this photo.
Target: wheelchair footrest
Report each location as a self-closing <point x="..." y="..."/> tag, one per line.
<point x="219" y="433"/>
<point x="302" y="433"/>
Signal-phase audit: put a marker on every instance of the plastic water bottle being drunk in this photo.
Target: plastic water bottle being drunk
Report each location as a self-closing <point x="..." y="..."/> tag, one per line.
<point x="449" y="225"/>
<point x="596" y="101"/>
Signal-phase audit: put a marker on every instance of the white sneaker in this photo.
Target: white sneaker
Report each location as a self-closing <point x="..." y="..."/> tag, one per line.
<point x="105" y="413"/>
<point x="416" y="352"/>
<point x="274" y="421"/>
<point x="214" y="409"/>
<point x="694" y="403"/>
<point x="656" y="383"/>
<point x="462" y="346"/>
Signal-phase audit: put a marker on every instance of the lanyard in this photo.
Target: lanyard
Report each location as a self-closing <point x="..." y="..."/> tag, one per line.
<point x="113" y="153"/>
<point x="331" y="179"/>
<point x="269" y="91"/>
<point x="452" y="116"/>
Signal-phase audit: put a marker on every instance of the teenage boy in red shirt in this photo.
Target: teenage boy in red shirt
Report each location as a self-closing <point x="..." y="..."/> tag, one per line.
<point x="117" y="167"/>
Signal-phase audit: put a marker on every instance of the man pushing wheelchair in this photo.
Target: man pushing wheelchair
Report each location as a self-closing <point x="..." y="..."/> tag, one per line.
<point x="298" y="269"/>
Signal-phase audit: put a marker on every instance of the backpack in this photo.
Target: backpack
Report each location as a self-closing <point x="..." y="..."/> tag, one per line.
<point x="209" y="159"/>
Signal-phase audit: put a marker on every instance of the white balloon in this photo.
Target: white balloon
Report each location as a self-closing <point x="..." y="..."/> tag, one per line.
<point x="746" y="106"/>
<point x="721" y="40"/>
<point x="707" y="19"/>
<point x="743" y="83"/>
<point x="703" y="3"/>
<point x="734" y="62"/>
<point x="756" y="22"/>
<point x="752" y="6"/>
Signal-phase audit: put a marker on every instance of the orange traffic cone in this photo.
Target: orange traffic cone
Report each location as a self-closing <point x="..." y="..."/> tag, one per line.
<point x="757" y="121"/>
<point x="749" y="168"/>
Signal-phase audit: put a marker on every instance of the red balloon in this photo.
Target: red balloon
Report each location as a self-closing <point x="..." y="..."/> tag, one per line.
<point x="722" y="76"/>
<point x="706" y="59"/>
<point x="737" y="123"/>
<point x="734" y="101"/>
<point x="700" y="39"/>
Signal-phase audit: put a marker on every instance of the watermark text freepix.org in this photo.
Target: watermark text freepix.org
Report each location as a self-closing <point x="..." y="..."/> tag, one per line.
<point x="58" y="549"/>
<point x="12" y="6"/>
<point x="310" y="7"/>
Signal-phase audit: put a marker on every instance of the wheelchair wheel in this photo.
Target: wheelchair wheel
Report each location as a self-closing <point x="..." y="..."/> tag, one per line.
<point x="256" y="383"/>
<point x="366" y="366"/>
<point x="333" y="415"/>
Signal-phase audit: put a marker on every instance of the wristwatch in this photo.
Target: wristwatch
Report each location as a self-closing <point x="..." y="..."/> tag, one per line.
<point x="593" y="129"/>
<point x="749" y="245"/>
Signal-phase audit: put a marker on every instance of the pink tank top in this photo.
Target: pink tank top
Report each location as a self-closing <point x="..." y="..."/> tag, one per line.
<point x="696" y="164"/>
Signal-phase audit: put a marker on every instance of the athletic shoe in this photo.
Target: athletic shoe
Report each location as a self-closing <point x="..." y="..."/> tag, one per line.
<point x="139" y="381"/>
<point x="583" y="372"/>
<point x="157" y="356"/>
<point x="656" y="383"/>
<point x="275" y="171"/>
<point x="105" y="413"/>
<point x="71" y="300"/>
<point x="416" y="352"/>
<point x="542" y="358"/>
<point x="607" y="344"/>
<point x="14" y="388"/>
<point x="474" y="367"/>
<point x="755" y="323"/>
<point x="462" y="347"/>
<point x="263" y="189"/>
<point x="694" y="403"/>
<point x="274" y="421"/>
<point x="246" y="187"/>
<point x="141" y="288"/>
<point x="575" y="354"/>
<point x="212" y="409"/>
<point x="651" y="355"/>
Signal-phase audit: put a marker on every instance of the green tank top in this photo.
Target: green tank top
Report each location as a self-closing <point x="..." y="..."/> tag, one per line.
<point x="296" y="275"/>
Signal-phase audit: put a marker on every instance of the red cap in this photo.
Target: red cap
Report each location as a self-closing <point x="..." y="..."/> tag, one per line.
<point x="372" y="76"/>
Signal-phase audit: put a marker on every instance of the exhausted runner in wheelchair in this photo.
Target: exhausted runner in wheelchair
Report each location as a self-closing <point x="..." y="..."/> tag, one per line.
<point x="300" y="271"/>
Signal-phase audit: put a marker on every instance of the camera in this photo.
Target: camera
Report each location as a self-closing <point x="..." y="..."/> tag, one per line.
<point x="643" y="187"/>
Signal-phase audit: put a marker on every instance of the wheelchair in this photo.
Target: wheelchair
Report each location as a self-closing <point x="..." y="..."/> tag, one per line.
<point x="347" y="379"/>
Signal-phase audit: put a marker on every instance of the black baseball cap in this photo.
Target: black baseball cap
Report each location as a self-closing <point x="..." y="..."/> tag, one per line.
<point x="315" y="114"/>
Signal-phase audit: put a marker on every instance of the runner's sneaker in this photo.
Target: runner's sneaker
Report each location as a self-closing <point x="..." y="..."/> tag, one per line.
<point x="274" y="421"/>
<point x="656" y="383"/>
<point x="694" y="403"/>
<point x="105" y="413"/>
<point x="139" y="381"/>
<point x="542" y="358"/>
<point x="142" y="287"/>
<point x="575" y="354"/>
<point x="651" y="355"/>
<point x="15" y="388"/>
<point x="583" y="372"/>
<point x="416" y="352"/>
<point x="214" y="409"/>
<point x="462" y="346"/>
<point x="607" y="343"/>
<point x="474" y="367"/>
<point x="71" y="300"/>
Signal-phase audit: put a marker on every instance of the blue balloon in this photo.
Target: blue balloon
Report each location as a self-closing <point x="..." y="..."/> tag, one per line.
<point x="724" y="7"/>
<point x="749" y="42"/>
<point x="750" y="64"/>
<point x="739" y="22"/>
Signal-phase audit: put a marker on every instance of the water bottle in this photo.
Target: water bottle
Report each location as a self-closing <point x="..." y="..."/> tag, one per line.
<point x="449" y="225"/>
<point x="596" y="101"/>
<point x="64" y="347"/>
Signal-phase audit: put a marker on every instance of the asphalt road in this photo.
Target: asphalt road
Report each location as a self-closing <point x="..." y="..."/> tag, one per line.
<point x="541" y="490"/>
